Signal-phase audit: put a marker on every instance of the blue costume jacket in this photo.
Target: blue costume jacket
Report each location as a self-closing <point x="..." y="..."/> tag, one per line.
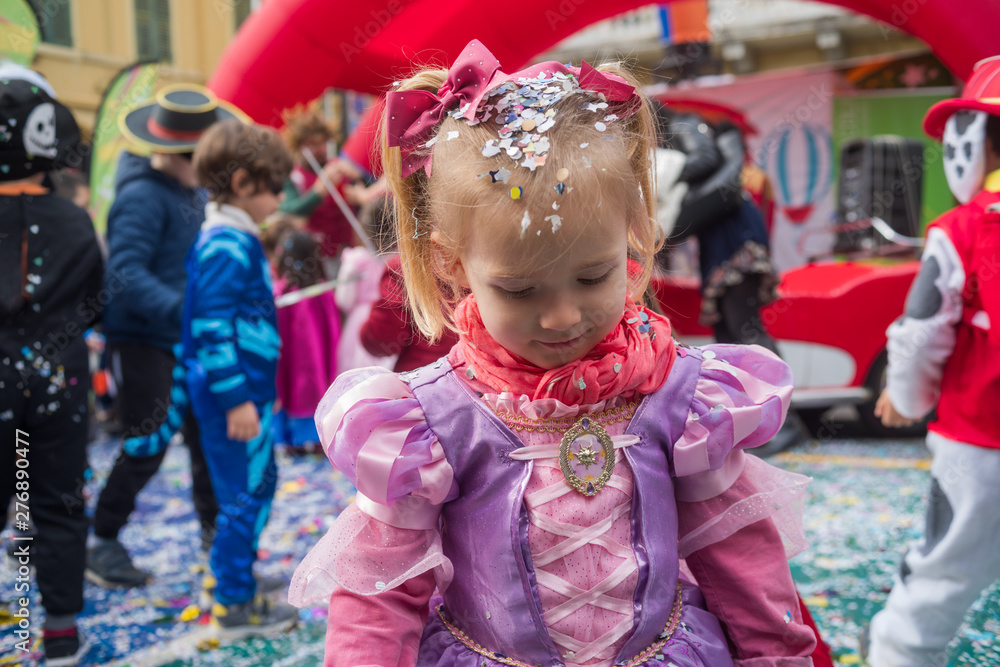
<point x="230" y="334"/>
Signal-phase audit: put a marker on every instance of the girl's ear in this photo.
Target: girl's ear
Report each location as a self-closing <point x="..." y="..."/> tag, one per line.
<point x="456" y="268"/>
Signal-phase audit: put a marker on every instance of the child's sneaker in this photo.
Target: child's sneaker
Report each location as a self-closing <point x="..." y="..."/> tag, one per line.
<point x="259" y="616"/>
<point x="266" y="586"/>
<point x="109" y="565"/>
<point x="64" y="648"/>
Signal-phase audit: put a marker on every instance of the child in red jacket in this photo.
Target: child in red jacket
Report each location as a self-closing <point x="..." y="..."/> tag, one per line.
<point x="945" y="351"/>
<point x="389" y="329"/>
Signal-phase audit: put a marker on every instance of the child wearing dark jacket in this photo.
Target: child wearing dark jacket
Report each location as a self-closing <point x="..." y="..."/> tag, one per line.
<point x="50" y="294"/>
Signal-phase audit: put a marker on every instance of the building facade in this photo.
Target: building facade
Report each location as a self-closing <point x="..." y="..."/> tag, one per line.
<point x="86" y="42"/>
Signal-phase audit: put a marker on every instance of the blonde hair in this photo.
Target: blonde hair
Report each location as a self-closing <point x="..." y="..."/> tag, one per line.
<point x="613" y="165"/>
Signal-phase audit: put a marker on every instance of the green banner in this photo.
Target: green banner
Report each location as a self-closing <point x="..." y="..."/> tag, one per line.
<point x="19" y="33"/>
<point x="133" y="85"/>
<point x="899" y="113"/>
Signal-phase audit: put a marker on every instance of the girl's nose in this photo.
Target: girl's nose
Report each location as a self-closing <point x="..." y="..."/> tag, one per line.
<point x="560" y="314"/>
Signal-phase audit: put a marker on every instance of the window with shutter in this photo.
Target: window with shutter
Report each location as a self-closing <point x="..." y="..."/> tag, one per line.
<point x="152" y="29"/>
<point x="241" y="10"/>
<point x="54" y="21"/>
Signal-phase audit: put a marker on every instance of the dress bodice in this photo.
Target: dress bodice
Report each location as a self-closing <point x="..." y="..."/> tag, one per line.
<point x="500" y="604"/>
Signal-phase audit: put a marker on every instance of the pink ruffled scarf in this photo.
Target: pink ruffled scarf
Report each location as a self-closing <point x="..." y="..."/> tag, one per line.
<point x="636" y="356"/>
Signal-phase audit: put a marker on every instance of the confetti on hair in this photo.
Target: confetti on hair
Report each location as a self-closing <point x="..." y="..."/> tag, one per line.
<point x="525" y="223"/>
<point x="516" y="191"/>
<point x="501" y="175"/>
<point x="560" y="188"/>
<point x="454" y="133"/>
<point x="584" y="144"/>
<point x="416" y="224"/>
<point x="433" y="140"/>
<point x="562" y="174"/>
<point x="525" y="110"/>
<point x="600" y="126"/>
<point x="556" y="221"/>
<point x="586" y="162"/>
<point x="555" y="206"/>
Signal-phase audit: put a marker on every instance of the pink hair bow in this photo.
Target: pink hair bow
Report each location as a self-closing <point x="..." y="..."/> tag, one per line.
<point x="414" y="115"/>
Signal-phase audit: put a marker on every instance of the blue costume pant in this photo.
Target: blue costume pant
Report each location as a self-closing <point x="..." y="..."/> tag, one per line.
<point x="244" y="476"/>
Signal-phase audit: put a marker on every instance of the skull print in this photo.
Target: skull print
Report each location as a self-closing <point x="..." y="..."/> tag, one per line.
<point x="40" y="131"/>
<point x="965" y="153"/>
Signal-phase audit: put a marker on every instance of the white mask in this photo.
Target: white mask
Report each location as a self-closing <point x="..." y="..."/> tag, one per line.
<point x="965" y="153"/>
<point x="40" y="132"/>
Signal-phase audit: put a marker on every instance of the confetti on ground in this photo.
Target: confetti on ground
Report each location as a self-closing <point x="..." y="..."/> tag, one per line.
<point x="865" y="505"/>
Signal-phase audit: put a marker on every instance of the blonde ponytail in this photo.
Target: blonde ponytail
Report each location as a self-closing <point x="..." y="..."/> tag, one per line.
<point x="427" y="293"/>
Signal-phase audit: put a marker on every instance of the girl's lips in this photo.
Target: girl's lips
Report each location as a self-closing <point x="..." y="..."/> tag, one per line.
<point x="564" y="345"/>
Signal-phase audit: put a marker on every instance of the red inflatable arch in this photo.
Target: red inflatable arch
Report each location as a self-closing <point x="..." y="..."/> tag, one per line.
<point x="289" y="51"/>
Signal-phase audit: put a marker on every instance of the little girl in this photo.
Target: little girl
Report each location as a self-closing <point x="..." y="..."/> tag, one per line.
<point x="309" y="331"/>
<point x="549" y="474"/>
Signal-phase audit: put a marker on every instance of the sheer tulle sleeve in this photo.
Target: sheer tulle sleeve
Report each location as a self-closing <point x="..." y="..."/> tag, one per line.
<point x="740" y="401"/>
<point x="374" y="431"/>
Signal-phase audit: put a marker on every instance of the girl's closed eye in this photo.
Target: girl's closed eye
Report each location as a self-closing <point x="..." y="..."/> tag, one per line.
<point x="513" y="294"/>
<point x="598" y="280"/>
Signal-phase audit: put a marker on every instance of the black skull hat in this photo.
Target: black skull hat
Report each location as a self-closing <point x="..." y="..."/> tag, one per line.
<point x="37" y="133"/>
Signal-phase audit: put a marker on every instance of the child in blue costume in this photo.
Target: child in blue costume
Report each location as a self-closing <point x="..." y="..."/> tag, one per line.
<point x="230" y="351"/>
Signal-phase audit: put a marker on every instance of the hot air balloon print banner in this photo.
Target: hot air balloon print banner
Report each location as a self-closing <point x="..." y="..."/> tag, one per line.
<point x="798" y="162"/>
<point x="792" y="114"/>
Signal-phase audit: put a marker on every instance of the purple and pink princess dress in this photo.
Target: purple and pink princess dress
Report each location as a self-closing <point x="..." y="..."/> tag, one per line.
<point x="499" y="526"/>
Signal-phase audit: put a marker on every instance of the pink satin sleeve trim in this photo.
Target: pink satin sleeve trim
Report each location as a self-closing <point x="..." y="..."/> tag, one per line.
<point x="740" y="401"/>
<point x="710" y="483"/>
<point x="374" y="431"/>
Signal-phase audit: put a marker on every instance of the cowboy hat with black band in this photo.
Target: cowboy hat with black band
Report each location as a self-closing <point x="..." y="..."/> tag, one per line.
<point x="37" y="133"/>
<point x="175" y="120"/>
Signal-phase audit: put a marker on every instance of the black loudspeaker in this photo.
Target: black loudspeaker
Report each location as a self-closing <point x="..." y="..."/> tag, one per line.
<point x="880" y="177"/>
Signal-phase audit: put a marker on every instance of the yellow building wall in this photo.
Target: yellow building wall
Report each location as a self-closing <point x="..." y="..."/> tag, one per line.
<point x="104" y="41"/>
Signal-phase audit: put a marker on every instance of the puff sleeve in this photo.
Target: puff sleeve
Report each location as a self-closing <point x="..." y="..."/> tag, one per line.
<point x="740" y="517"/>
<point x="374" y="431"/>
<point x="740" y="401"/>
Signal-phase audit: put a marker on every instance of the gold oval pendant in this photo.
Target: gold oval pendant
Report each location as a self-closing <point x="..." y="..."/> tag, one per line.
<point x="587" y="447"/>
